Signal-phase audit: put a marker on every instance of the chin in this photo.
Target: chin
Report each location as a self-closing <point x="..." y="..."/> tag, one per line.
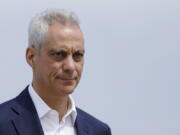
<point x="66" y="90"/>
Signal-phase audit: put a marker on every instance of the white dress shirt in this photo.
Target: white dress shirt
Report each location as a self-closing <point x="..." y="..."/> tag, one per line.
<point x="49" y="118"/>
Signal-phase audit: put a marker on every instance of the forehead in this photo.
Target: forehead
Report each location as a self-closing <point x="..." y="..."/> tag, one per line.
<point x="64" y="32"/>
<point x="68" y="36"/>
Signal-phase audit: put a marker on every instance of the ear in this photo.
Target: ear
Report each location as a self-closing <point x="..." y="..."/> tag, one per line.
<point x="30" y="56"/>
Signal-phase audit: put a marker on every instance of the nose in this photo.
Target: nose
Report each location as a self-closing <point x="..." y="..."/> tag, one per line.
<point x="69" y="65"/>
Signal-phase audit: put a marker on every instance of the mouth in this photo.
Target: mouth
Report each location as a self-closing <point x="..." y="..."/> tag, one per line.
<point x="67" y="81"/>
<point x="66" y="78"/>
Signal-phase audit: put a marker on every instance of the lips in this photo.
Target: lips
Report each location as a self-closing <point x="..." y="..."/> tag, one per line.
<point x="66" y="78"/>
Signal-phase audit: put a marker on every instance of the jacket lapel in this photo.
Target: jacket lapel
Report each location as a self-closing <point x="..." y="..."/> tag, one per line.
<point x="81" y="124"/>
<point x="26" y="120"/>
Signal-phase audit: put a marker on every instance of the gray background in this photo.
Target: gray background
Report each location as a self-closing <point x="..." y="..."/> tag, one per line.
<point x="132" y="69"/>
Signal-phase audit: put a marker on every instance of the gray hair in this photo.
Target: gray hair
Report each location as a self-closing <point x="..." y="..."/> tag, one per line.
<point x="38" y="27"/>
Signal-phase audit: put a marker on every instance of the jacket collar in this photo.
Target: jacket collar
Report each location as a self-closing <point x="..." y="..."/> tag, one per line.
<point x="26" y="120"/>
<point x="81" y="124"/>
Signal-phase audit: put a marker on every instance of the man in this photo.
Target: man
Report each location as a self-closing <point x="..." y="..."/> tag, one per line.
<point x="45" y="107"/>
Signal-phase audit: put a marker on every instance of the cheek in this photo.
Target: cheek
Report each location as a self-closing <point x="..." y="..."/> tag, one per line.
<point x="48" y="68"/>
<point x="55" y="68"/>
<point x="79" y="68"/>
<point x="54" y="65"/>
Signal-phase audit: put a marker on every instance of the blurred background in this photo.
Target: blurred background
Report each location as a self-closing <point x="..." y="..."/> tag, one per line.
<point x="132" y="68"/>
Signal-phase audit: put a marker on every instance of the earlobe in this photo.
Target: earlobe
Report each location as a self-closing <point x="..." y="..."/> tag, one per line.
<point x="30" y="56"/>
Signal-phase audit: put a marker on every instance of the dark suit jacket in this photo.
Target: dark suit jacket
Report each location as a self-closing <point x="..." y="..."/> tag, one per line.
<point x="19" y="117"/>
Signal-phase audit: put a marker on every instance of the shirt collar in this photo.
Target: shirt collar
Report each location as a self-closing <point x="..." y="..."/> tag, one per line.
<point x="71" y="110"/>
<point x="42" y="108"/>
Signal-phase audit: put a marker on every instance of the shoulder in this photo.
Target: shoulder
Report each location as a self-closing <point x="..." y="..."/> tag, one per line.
<point x="6" y="110"/>
<point x="6" y="105"/>
<point x="13" y="103"/>
<point x="93" y="122"/>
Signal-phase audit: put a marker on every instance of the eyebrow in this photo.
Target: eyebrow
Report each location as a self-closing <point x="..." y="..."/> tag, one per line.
<point x="80" y="50"/>
<point x="64" y="49"/>
<point x="56" y="50"/>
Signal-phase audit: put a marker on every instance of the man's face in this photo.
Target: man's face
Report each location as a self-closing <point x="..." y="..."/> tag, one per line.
<point x="57" y="69"/>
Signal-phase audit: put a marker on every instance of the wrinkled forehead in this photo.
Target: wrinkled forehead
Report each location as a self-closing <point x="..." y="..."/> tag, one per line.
<point x="67" y="36"/>
<point x="62" y="32"/>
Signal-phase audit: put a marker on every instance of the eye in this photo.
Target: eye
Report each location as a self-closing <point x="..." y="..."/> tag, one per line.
<point x="59" y="55"/>
<point x="78" y="56"/>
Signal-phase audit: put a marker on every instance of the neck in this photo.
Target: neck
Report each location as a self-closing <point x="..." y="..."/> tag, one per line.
<point x="54" y="101"/>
